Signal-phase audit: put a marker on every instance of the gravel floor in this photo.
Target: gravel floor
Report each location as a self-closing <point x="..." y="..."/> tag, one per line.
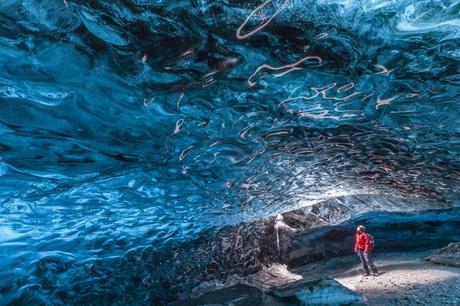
<point x="406" y="279"/>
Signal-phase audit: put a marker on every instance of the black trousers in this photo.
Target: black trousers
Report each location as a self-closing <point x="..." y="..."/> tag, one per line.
<point x="367" y="262"/>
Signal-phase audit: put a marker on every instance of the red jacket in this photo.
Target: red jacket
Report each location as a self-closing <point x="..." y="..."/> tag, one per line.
<point x="362" y="242"/>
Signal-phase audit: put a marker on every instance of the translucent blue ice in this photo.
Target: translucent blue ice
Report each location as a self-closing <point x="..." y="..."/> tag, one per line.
<point x="126" y="124"/>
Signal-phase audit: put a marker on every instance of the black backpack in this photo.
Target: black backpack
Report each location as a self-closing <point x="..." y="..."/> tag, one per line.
<point x="371" y="241"/>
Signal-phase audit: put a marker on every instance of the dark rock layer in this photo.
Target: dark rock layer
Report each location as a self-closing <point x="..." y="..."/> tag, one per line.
<point x="392" y="232"/>
<point x="449" y="255"/>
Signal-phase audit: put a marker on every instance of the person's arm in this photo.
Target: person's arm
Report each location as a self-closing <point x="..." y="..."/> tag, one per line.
<point x="366" y="243"/>
<point x="356" y="243"/>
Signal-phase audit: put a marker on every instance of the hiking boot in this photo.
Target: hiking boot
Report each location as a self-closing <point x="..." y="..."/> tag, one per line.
<point x="376" y="273"/>
<point x="366" y="274"/>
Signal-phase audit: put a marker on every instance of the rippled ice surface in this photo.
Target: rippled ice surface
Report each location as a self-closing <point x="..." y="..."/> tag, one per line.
<point x="125" y="124"/>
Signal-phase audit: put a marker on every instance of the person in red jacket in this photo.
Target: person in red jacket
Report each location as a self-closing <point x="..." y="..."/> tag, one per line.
<point x="363" y="247"/>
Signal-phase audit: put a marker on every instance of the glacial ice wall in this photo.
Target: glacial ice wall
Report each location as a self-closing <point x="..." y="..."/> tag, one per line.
<point x="126" y="124"/>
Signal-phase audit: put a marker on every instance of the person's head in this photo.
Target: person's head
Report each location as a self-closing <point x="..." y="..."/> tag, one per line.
<point x="360" y="229"/>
